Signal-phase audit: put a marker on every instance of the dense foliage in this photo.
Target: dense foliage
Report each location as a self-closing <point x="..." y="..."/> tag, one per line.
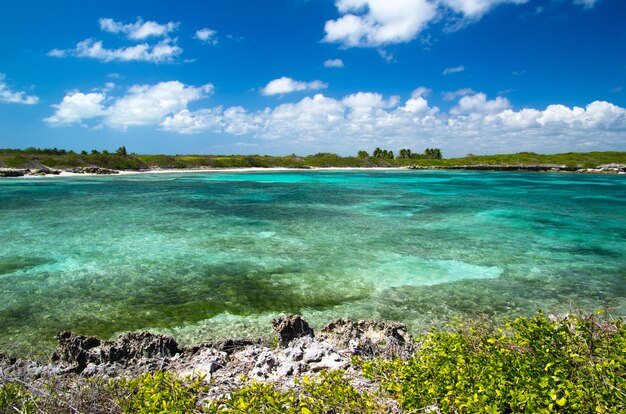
<point x="530" y="365"/>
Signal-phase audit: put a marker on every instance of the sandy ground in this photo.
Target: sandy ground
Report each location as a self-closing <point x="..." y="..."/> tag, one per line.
<point x="214" y="170"/>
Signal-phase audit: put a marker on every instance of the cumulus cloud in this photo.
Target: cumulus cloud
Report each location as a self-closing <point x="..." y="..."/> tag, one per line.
<point x="476" y="123"/>
<point x="455" y="69"/>
<point x="139" y="30"/>
<point x="334" y="63"/>
<point x="378" y="22"/>
<point x="77" y="107"/>
<point x="19" y="97"/>
<point x="479" y="104"/>
<point x="366" y="101"/>
<point x="164" y="51"/>
<point x="140" y="105"/>
<point x="150" y="104"/>
<point x="418" y="103"/>
<point x="285" y="85"/>
<point x="207" y="35"/>
<point x="374" y="23"/>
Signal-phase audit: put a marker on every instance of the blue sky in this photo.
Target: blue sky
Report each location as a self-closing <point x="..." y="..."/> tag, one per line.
<point x="285" y="76"/>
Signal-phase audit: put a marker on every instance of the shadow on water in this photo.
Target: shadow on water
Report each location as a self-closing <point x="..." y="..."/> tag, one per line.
<point x="13" y="264"/>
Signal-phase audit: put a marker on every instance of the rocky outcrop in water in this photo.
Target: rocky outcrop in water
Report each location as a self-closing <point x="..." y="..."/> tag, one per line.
<point x="500" y="167"/>
<point x="606" y="169"/>
<point x="12" y="172"/>
<point x="601" y="169"/>
<point x="92" y="170"/>
<point x="17" y="172"/>
<point x="77" y="353"/>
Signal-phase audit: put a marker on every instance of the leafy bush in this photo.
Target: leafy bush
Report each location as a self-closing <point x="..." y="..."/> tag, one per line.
<point x="15" y="162"/>
<point x="14" y="398"/>
<point x="574" y="365"/>
<point x="332" y="393"/>
<point x="162" y="392"/>
<point x="328" y="393"/>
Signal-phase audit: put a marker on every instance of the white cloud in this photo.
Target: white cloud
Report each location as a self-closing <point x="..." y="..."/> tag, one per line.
<point x="596" y="114"/>
<point x="387" y="56"/>
<point x="57" y="53"/>
<point x="141" y="105"/>
<point x="77" y="107"/>
<point x="20" y="97"/>
<point x="374" y="23"/>
<point x="450" y="96"/>
<point x="475" y="124"/>
<point x="139" y="30"/>
<point x="150" y="104"/>
<point x="207" y="35"/>
<point x="164" y="51"/>
<point x="455" y="69"/>
<point x="476" y="8"/>
<point x="418" y="103"/>
<point x="368" y="101"/>
<point x="479" y="104"/>
<point x="369" y="23"/>
<point x="334" y="63"/>
<point x="285" y="85"/>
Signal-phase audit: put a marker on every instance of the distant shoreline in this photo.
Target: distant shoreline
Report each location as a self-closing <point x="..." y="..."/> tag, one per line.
<point x="615" y="169"/>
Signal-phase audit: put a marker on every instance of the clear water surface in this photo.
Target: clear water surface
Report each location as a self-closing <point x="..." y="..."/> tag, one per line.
<point x="212" y="255"/>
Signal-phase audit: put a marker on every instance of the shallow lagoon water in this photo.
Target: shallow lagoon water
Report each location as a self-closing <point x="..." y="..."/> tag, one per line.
<point x="218" y="254"/>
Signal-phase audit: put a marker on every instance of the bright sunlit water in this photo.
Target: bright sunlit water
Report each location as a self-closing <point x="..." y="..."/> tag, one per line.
<point x="212" y="255"/>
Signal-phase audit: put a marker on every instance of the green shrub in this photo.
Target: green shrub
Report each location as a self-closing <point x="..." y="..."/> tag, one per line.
<point x="575" y="365"/>
<point x="332" y="393"/>
<point x="14" y="398"/>
<point x="328" y="393"/>
<point x="162" y="392"/>
<point x="15" y="162"/>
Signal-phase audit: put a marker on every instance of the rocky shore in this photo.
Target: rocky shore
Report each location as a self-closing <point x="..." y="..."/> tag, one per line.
<point x="601" y="169"/>
<point x="17" y="172"/>
<point x="297" y="351"/>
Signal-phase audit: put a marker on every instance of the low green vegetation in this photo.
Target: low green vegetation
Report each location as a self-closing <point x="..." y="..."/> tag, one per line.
<point x="121" y="159"/>
<point x="530" y="365"/>
<point x="572" y="364"/>
<point x="331" y="392"/>
<point x="162" y="392"/>
<point x="570" y="159"/>
<point x="14" y="397"/>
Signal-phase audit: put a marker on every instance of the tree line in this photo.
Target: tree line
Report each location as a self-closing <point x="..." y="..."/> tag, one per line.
<point x="431" y="153"/>
<point x="60" y="151"/>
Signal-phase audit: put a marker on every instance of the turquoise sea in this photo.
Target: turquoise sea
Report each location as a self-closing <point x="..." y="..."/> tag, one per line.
<point x="219" y="254"/>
